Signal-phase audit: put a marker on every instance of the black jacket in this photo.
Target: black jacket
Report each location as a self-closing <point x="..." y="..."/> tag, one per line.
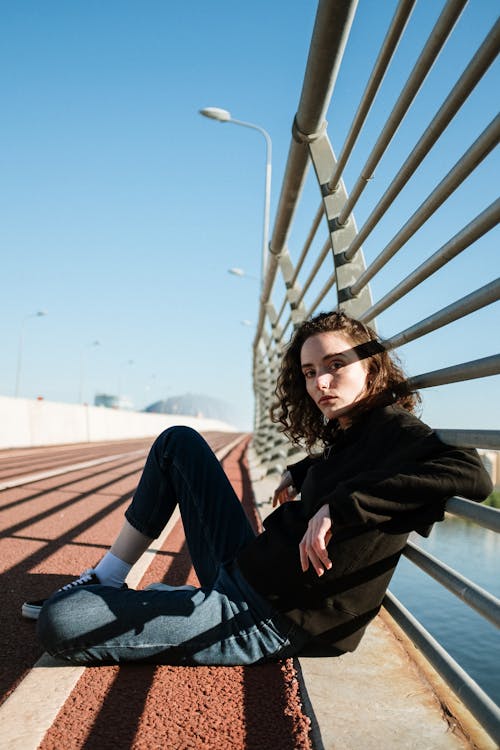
<point x="387" y="475"/>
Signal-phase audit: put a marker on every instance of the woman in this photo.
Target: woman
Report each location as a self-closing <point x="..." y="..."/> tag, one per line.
<point x="317" y="575"/>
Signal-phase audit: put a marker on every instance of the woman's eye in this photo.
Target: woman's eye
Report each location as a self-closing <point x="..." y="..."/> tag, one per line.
<point x="335" y="365"/>
<point x="308" y="374"/>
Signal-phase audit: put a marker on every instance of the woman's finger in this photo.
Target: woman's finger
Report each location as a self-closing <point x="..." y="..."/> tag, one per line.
<point x="312" y="547"/>
<point x="304" y="559"/>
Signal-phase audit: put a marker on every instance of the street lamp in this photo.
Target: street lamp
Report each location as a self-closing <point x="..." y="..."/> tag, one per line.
<point x="39" y="314"/>
<point x="222" y="115"/>
<point x="241" y="273"/>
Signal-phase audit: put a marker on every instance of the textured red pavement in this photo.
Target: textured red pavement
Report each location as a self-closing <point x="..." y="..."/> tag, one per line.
<point x="140" y="706"/>
<point x="19" y="462"/>
<point x="50" y="530"/>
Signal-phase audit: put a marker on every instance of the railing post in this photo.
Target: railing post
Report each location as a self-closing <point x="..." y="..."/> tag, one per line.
<point x="341" y="235"/>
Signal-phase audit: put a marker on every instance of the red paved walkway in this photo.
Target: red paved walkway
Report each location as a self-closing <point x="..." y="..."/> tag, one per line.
<point x="57" y="527"/>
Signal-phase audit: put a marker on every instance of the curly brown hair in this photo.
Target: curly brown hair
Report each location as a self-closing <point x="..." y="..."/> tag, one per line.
<point x="294" y="409"/>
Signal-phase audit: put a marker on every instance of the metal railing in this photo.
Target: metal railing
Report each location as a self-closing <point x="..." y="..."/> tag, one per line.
<point x="331" y="271"/>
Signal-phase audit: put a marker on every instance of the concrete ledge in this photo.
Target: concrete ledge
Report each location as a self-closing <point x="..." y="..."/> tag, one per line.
<point x="457" y="714"/>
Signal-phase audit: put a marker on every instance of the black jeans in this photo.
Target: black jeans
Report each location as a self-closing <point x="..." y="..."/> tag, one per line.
<point x="224" y="622"/>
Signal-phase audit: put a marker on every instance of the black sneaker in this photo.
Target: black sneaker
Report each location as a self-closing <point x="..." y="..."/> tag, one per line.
<point x="31" y="609"/>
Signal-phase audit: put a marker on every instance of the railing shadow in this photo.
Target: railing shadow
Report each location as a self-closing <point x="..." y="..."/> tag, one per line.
<point x="20" y="646"/>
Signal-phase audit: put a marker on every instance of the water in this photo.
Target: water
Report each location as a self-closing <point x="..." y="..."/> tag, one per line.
<point x="472" y="641"/>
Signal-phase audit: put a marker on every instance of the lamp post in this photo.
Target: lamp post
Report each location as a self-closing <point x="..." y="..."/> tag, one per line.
<point x="222" y="115"/>
<point x="39" y="314"/>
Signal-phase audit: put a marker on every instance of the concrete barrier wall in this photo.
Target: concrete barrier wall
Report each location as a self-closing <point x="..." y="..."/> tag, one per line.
<point x="24" y="422"/>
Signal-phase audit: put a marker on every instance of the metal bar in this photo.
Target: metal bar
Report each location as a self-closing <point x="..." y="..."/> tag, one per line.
<point x="465" y="165"/>
<point x="312" y="274"/>
<point x="471" y="438"/>
<point x="460" y="242"/>
<point x="294" y="294"/>
<point x="324" y="291"/>
<point x="279" y="341"/>
<point x="391" y="41"/>
<point x="473" y="595"/>
<point x="282" y="308"/>
<point x="308" y="242"/>
<point x="331" y="30"/>
<point x="478" y="368"/>
<point x="483" y="515"/>
<point x="471" y="76"/>
<point x="287" y="324"/>
<point x="482" y="297"/>
<point x="476" y="700"/>
<point x="428" y="56"/>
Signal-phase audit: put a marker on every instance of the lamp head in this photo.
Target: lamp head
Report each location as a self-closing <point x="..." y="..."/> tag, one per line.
<point x="215" y="113"/>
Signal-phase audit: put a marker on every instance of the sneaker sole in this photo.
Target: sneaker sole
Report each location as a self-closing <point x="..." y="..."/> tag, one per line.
<point x="166" y="587"/>
<point x="30" y="611"/>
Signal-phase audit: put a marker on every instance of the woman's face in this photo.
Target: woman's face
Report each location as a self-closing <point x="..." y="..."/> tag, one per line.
<point x="335" y="377"/>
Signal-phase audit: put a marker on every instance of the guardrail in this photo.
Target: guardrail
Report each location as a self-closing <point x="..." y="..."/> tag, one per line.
<point x="332" y="271"/>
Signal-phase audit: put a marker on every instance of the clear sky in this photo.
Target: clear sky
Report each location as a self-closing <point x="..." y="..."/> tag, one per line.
<point x="122" y="209"/>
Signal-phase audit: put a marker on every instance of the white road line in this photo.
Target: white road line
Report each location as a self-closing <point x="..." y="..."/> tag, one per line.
<point x="67" y="469"/>
<point x="31" y="709"/>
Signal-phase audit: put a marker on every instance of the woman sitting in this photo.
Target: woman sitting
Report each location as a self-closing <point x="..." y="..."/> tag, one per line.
<point x="316" y="576"/>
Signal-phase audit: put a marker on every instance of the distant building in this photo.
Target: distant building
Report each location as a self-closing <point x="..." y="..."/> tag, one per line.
<point x="194" y="405"/>
<point x="491" y="461"/>
<point x="112" y="402"/>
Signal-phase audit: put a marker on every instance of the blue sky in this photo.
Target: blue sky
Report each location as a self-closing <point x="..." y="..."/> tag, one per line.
<point x="122" y="209"/>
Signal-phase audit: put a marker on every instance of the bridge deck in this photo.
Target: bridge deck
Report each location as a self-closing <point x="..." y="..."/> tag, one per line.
<point x="55" y="526"/>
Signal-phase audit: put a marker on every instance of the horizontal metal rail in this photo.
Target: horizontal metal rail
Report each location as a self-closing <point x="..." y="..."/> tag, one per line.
<point x="325" y="250"/>
<point x="471" y="438"/>
<point x="391" y="41"/>
<point x="308" y="242"/>
<point x="479" y="704"/>
<point x="469" y="592"/>
<point x="331" y="31"/>
<point x="477" y="368"/>
<point x="482" y="224"/>
<point x="475" y="301"/>
<point x="471" y="76"/>
<point x="330" y="283"/>
<point x="436" y="41"/>
<point x="488" y="518"/>
<point x="479" y="150"/>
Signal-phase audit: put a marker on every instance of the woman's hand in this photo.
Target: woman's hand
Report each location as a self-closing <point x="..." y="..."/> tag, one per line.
<point x="285" y="491"/>
<point x="313" y="545"/>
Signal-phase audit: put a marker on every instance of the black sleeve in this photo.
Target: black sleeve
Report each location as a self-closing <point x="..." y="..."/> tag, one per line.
<point x="418" y="472"/>
<point x="300" y="469"/>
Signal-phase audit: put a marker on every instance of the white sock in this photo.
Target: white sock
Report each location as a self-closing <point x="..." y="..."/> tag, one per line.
<point x="111" y="571"/>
